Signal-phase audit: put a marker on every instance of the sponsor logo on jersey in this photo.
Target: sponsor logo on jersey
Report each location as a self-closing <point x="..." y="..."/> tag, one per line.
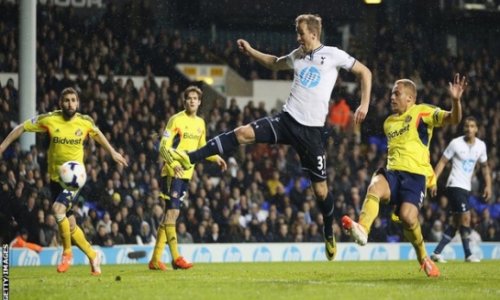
<point x="190" y="136"/>
<point x="66" y="141"/>
<point x="309" y="77"/>
<point x="398" y="132"/>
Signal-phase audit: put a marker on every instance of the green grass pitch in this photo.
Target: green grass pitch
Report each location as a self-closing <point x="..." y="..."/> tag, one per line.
<point x="300" y="280"/>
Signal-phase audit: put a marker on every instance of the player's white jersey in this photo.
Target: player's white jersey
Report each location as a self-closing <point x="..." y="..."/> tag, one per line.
<point x="315" y="74"/>
<point x="464" y="158"/>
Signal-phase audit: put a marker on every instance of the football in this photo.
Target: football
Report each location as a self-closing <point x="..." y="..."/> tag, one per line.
<point x="72" y="175"/>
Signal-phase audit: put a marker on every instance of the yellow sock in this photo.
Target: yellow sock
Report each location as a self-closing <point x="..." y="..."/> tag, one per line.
<point x="414" y="236"/>
<point x="172" y="241"/>
<point x="78" y="238"/>
<point x="369" y="211"/>
<point x="161" y="238"/>
<point x="65" y="235"/>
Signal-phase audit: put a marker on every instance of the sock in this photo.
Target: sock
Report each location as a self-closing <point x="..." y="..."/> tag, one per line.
<point x="78" y="238"/>
<point x="464" y="234"/>
<point x="326" y="207"/>
<point x="448" y="234"/>
<point x="225" y="143"/>
<point x="172" y="241"/>
<point x="414" y="236"/>
<point x="161" y="238"/>
<point x="65" y="233"/>
<point x="369" y="211"/>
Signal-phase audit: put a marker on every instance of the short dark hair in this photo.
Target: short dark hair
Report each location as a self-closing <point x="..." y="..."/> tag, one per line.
<point x="470" y="119"/>
<point x="69" y="90"/>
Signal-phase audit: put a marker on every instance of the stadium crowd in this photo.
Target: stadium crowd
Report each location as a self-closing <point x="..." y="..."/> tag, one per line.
<point x="263" y="197"/>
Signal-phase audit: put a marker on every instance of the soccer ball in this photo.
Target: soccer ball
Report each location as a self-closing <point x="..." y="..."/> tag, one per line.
<point x="72" y="175"/>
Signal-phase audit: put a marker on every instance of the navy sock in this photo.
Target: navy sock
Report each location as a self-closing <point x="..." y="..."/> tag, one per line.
<point x="326" y="207"/>
<point x="224" y="143"/>
<point x="448" y="234"/>
<point x="464" y="234"/>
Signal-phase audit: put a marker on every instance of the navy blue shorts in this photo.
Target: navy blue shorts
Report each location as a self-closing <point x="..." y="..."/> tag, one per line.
<point x="173" y="190"/>
<point x="64" y="196"/>
<point x="458" y="199"/>
<point x="308" y="141"/>
<point x="405" y="187"/>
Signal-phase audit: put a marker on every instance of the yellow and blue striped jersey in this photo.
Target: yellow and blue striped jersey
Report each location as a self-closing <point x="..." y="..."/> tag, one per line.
<point x="183" y="132"/>
<point x="66" y="137"/>
<point x="408" y="138"/>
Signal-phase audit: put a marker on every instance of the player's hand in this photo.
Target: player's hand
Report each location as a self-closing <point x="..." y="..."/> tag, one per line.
<point x="360" y="114"/>
<point x="433" y="190"/>
<point x="222" y="163"/>
<point x="177" y="168"/>
<point x="487" y="194"/>
<point x="118" y="158"/>
<point x="458" y="86"/>
<point x="243" y="45"/>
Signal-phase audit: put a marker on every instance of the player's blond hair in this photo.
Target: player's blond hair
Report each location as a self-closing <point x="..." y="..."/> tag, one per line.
<point x="313" y="23"/>
<point x="409" y="86"/>
<point x="192" y="88"/>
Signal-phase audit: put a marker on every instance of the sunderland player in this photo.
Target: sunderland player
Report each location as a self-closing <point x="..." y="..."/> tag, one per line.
<point x="184" y="131"/>
<point x="464" y="152"/>
<point x="403" y="182"/>
<point x="300" y="124"/>
<point x="67" y="130"/>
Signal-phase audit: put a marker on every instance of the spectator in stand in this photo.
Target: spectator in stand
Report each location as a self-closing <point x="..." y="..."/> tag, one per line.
<point x="116" y="235"/>
<point x="339" y="115"/>
<point x="48" y="232"/>
<point x="21" y="242"/>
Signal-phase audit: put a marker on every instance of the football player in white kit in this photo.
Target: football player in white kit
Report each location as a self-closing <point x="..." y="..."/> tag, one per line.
<point x="464" y="152"/>
<point x="302" y="120"/>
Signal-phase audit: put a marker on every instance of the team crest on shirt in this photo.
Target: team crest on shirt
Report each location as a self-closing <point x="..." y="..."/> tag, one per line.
<point x="175" y="194"/>
<point x="78" y="132"/>
<point x="407" y="119"/>
<point x="166" y="134"/>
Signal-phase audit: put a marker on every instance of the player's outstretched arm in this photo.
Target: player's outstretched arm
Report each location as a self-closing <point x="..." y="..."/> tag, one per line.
<point x="456" y="89"/>
<point x="13" y="135"/>
<point x="365" y="76"/>
<point x="103" y="141"/>
<point x="269" y="61"/>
